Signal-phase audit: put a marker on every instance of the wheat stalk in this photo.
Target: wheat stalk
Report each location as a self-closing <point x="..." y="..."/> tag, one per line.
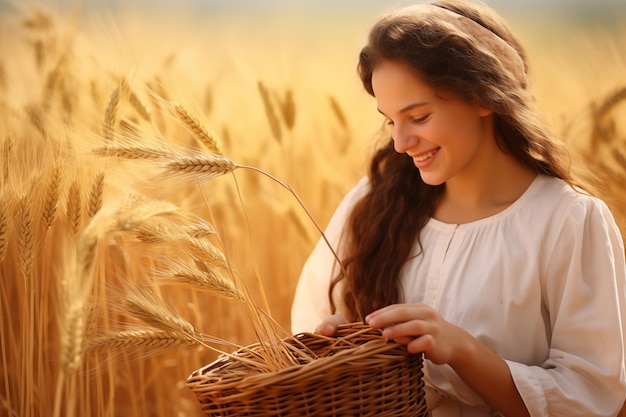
<point x="74" y="206"/>
<point x="52" y="80"/>
<point x="609" y="103"/>
<point x="198" y="129"/>
<point x="199" y="231"/>
<point x="4" y="227"/>
<point x="96" y="194"/>
<point x="87" y="243"/>
<point x="339" y="114"/>
<point x="199" y="248"/>
<point x="143" y="211"/>
<point x="111" y="114"/>
<point x="269" y="112"/>
<point x="300" y="225"/>
<point x="153" y="339"/>
<point x="72" y="332"/>
<point x="37" y="119"/>
<point x="39" y="51"/>
<point x="139" y="106"/>
<point x="67" y="100"/>
<point x="129" y="128"/>
<point x="288" y="109"/>
<point x="90" y="313"/>
<point x="7" y="155"/>
<point x="130" y="152"/>
<point x="304" y="207"/>
<point x="25" y="235"/>
<point x="209" y="280"/>
<point x="3" y="78"/>
<point x="204" y="252"/>
<point x="148" y="309"/>
<point x="51" y="198"/>
<point x="200" y="168"/>
<point x="343" y="141"/>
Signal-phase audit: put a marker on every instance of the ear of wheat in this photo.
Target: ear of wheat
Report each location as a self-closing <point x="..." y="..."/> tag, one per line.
<point x="199" y="168"/>
<point x="198" y="129"/>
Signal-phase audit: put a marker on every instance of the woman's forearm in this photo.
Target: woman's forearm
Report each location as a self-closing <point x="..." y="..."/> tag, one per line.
<point x="490" y="377"/>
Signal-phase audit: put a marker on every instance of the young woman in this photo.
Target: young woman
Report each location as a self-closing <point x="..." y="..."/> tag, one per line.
<point x="470" y="239"/>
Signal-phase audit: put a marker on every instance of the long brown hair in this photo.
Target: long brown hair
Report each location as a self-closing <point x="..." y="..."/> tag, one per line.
<point x="457" y="46"/>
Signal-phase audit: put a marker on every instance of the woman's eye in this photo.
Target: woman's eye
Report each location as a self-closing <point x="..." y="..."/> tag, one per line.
<point x="421" y="119"/>
<point x="389" y="122"/>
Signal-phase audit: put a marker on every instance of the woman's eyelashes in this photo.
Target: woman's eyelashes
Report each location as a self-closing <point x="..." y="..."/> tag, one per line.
<point x="421" y="119"/>
<point x="416" y="120"/>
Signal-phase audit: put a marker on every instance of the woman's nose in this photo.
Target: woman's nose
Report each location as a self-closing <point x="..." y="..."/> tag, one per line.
<point x="403" y="138"/>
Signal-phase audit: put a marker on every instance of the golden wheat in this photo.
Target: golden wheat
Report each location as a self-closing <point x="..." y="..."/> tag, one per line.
<point x="111" y="114"/>
<point x="130" y="152"/>
<point x="3" y="78"/>
<point x="199" y="231"/>
<point x="71" y="316"/>
<point x="96" y="194"/>
<point x="203" y="251"/>
<point x="135" y="213"/>
<point x="209" y="280"/>
<point x="200" y="168"/>
<point x="37" y="117"/>
<point x="7" y="155"/>
<point x="39" y="50"/>
<point x="338" y="112"/>
<point x="26" y="239"/>
<point x="129" y="127"/>
<point x="152" y="339"/>
<point x="288" y="109"/>
<point x="144" y="306"/>
<point x="52" y="81"/>
<point x="198" y="130"/>
<point x="72" y="332"/>
<point x="4" y="227"/>
<point x="50" y="203"/>
<point x="139" y="106"/>
<point x="269" y="112"/>
<point x="609" y="103"/>
<point x="74" y="206"/>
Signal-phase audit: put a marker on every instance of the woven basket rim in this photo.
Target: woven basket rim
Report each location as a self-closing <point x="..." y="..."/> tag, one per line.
<point x="375" y="347"/>
<point x="358" y="368"/>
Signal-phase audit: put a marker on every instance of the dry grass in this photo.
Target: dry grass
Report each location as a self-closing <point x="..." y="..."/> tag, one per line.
<point x="128" y="258"/>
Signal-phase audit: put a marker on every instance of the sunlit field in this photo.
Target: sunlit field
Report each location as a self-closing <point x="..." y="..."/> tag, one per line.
<point x="163" y="177"/>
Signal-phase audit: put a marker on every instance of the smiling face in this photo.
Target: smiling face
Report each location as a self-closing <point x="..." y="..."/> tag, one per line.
<point x="445" y="136"/>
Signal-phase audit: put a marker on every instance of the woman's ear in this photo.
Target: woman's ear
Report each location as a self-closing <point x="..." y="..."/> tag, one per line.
<point x="483" y="112"/>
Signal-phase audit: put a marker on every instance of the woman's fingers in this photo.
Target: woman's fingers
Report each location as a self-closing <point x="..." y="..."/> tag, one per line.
<point x="329" y="326"/>
<point x="399" y="313"/>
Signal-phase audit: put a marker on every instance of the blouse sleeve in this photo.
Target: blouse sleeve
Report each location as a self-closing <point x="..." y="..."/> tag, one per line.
<point x="584" y="300"/>
<point x="310" y="303"/>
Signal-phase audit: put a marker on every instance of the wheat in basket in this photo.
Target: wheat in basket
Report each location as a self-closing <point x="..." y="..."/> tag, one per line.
<point x="356" y="373"/>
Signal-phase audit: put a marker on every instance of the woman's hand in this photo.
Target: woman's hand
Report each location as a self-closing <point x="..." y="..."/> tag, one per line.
<point x="329" y="326"/>
<point x="421" y="329"/>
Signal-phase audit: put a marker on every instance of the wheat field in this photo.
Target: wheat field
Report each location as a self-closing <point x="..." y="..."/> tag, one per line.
<point x="161" y="186"/>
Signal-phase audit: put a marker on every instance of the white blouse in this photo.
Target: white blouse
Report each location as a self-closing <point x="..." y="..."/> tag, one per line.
<point x="541" y="283"/>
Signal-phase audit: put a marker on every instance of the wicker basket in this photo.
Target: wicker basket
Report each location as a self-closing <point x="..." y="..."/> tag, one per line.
<point x="356" y="373"/>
